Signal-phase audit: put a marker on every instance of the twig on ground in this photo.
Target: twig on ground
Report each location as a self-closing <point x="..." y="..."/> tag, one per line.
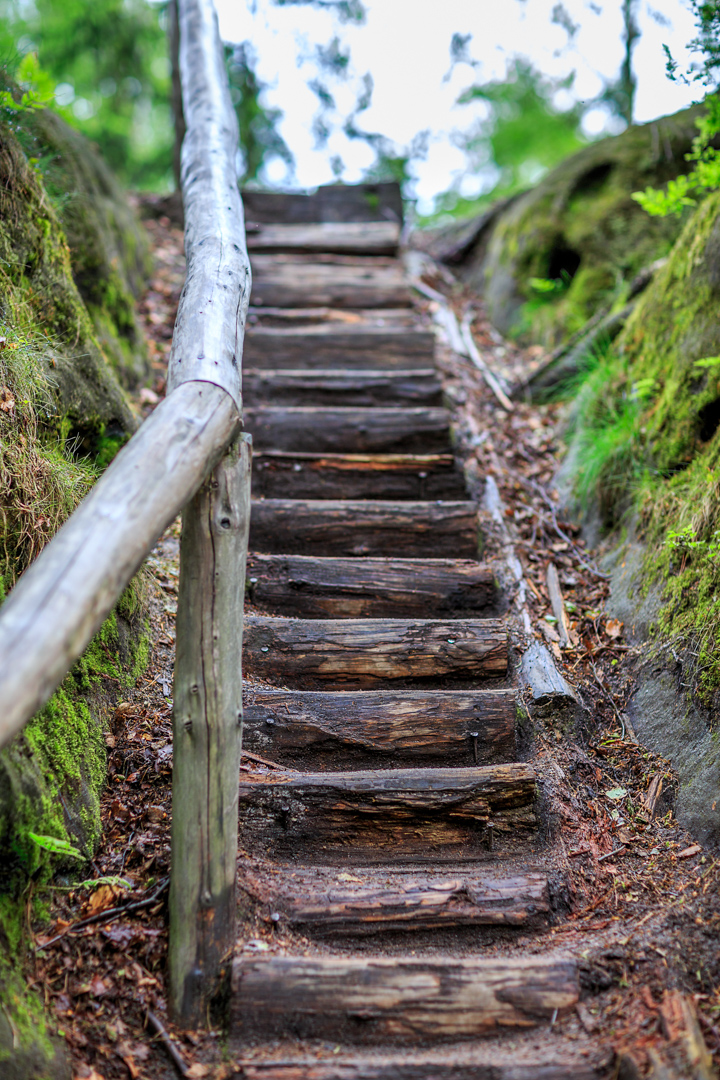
<point x="111" y="913"/>
<point x="173" y="1053"/>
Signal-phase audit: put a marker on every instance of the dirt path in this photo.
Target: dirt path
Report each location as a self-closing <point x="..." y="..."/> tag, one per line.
<point x="433" y="883"/>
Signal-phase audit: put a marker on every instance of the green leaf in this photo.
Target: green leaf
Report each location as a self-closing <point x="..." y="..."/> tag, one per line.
<point x="616" y="793"/>
<point x="56" y="846"/>
<point x="708" y="362"/>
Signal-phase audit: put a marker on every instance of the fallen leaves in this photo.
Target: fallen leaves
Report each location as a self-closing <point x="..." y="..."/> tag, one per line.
<point x="7" y="400"/>
<point x="106" y="896"/>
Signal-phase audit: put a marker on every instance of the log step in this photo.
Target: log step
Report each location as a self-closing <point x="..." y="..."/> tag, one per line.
<point x="399" y="815"/>
<point x="367" y="202"/>
<point x="571" y="1061"/>
<point x="341" y="388"/>
<point x="332" y="588"/>
<point x="366" y="653"/>
<point x="360" y="528"/>
<point x="340" y="237"/>
<point x="380" y="728"/>
<point x="338" y="281"/>
<point x="410" y="477"/>
<point x="349" y="430"/>
<point x="397" y="999"/>
<point x="328" y="345"/>
<point x="321" y="902"/>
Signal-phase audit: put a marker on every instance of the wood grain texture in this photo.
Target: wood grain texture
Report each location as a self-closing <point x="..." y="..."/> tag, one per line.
<point x="304" y="281"/>
<point x="341" y="388"/>
<point x="398" y="999"/>
<point x="207" y="727"/>
<point x="282" y="474"/>
<point x="60" y="602"/>
<point x="341" y="237"/>
<point x="325" y="527"/>
<point x="376" y="905"/>
<point x="331" y="202"/>
<point x="368" y="652"/>
<point x="354" y="430"/>
<point x="207" y="342"/>
<point x="300" y="585"/>
<point x="331" y="345"/>
<point x="576" y="1062"/>
<point x="404" y="815"/>
<point x="380" y="728"/>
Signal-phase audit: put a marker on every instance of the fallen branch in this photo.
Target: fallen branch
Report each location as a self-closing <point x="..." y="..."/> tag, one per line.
<point x="111" y="913"/>
<point x="461" y="340"/>
<point x="472" y="352"/>
<point x="173" y="1053"/>
<point x="558" y="605"/>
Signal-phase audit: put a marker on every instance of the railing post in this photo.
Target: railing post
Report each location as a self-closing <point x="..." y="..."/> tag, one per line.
<point x="207" y="733"/>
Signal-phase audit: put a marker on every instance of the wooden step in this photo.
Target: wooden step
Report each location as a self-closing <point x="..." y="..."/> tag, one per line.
<point x="339" y="281"/>
<point x="333" y="344"/>
<point x="579" y="1060"/>
<point x="300" y="585"/>
<point x="340" y="237"/>
<point x="396" y="999"/>
<point x="354" y="430"/>
<point x="397" y="815"/>
<point x="341" y="388"/>
<point x="325" y="527"/>
<point x="371" y="201"/>
<point x="412" y="477"/>
<point x="365" y="653"/>
<point x="380" y="728"/>
<point x="319" y="901"/>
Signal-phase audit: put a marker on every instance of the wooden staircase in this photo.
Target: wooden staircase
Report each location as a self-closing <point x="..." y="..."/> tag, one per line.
<point x="398" y="836"/>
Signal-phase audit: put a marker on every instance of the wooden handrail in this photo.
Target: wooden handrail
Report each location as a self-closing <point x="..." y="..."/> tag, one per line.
<point x="188" y="455"/>
<point x="61" y="600"/>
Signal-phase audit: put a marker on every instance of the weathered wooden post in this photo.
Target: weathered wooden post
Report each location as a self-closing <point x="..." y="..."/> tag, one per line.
<point x="207" y="348"/>
<point x="207" y="732"/>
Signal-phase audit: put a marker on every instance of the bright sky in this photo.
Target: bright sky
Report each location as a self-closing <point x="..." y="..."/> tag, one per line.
<point x="405" y="45"/>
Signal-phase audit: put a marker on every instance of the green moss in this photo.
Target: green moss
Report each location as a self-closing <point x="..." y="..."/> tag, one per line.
<point x="581" y="218"/>
<point x="109" y="252"/>
<point x="24" y="1015"/>
<point x="647" y="440"/>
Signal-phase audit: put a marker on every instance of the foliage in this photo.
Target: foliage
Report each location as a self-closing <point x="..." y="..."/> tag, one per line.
<point x="608" y="445"/>
<point x="619" y="95"/>
<point x="55" y="845"/>
<point x="107" y="63"/>
<point x="581" y="219"/>
<point x="523" y="135"/>
<point x="260" y="140"/>
<point x="705" y="176"/>
<point x="646" y="443"/>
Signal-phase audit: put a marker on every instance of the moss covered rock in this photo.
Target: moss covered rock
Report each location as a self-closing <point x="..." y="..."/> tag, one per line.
<point x="109" y="251"/>
<point x="574" y="242"/>
<point x="39" y="298"/>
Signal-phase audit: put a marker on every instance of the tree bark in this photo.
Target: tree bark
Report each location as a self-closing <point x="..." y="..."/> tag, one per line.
<point x="354" y="430"/>
<point x="404" y="815"/>
<point x="342" y="388"/>
<point x="381" y="728"/>
<point x="409" y="477"/>
<point x="298" y="585"/>
<point x="325" y="345"/>
<point x="357" y="653"/>
<point x="394" y="998"/>
<point x="325" y="527"/>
